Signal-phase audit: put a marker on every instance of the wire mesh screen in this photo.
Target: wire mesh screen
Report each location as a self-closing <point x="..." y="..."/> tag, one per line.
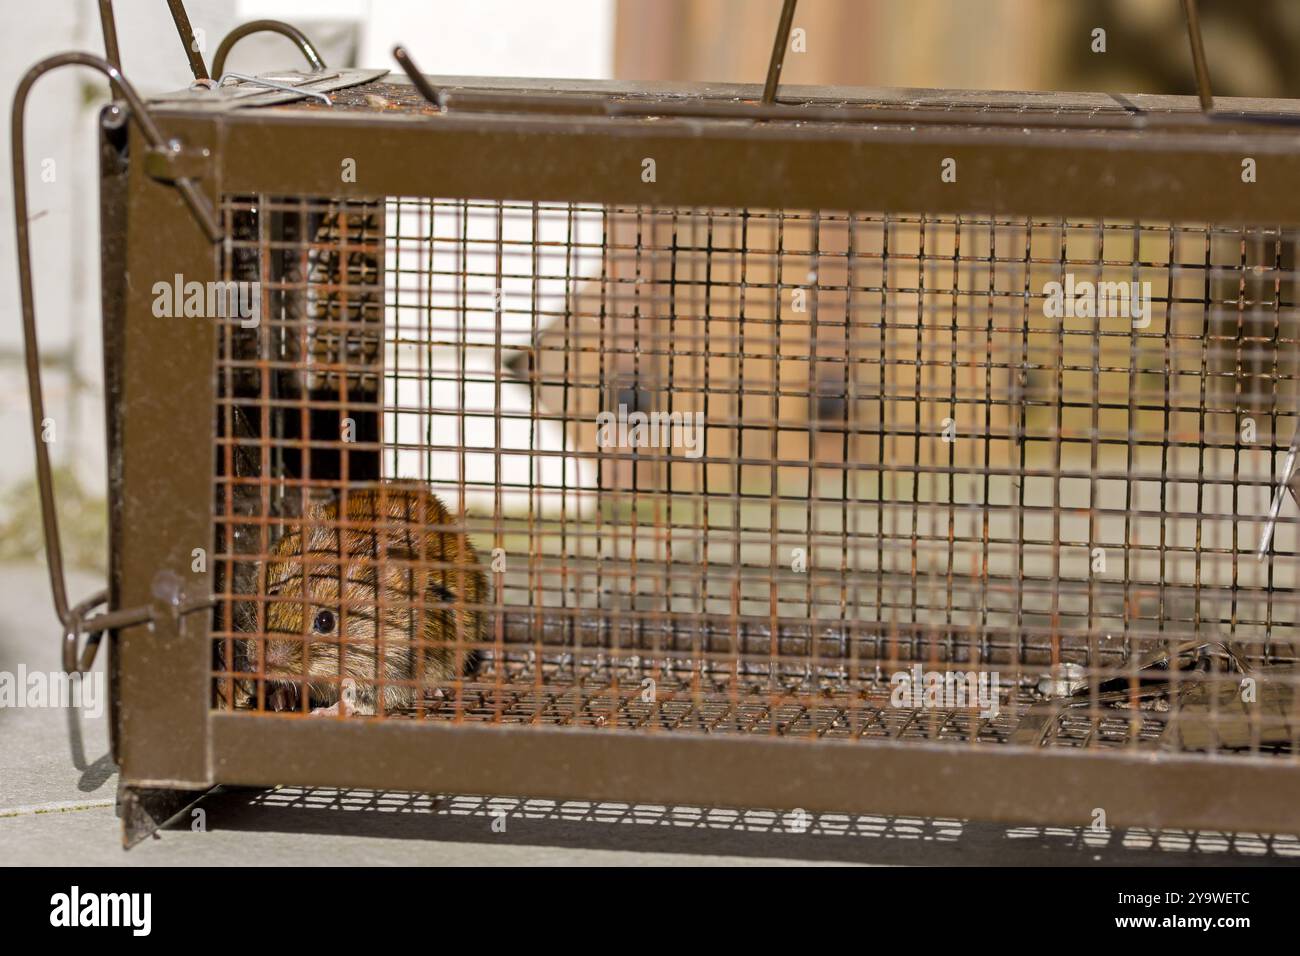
<point x="804" y="473"/>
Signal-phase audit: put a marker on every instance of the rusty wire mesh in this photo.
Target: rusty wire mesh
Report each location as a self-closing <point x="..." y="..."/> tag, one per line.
<point x="906" y="466"/>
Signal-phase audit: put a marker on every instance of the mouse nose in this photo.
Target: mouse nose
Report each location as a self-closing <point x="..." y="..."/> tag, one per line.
<point x="279" y="654"/>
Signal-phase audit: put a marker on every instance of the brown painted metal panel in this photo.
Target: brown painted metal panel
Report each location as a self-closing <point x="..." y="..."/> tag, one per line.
<point x="114" y="178"/>
<point x="1006" y="784"/>
<point x="167" y="453"/>
<point x="1172" y="174"/>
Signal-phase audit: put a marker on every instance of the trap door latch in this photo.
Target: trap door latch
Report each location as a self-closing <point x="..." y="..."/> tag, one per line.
<point x="78" y="620"/>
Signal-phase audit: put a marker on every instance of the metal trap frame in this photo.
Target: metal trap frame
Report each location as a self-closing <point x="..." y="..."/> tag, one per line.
<point x="955" y="537"/>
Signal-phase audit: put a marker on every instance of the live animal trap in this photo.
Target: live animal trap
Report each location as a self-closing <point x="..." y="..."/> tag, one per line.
<point x="919" y="454"/>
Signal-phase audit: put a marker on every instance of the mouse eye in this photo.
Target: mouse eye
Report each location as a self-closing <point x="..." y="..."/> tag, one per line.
<point x="324" y="623"/>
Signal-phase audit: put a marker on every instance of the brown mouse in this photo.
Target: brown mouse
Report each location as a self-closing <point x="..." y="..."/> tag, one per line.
<point x="430" y="594"/>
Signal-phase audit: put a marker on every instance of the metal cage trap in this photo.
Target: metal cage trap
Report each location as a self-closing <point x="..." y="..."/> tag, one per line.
<point x="838" y="450"/>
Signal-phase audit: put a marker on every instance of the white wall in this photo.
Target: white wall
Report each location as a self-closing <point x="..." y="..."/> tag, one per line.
<point x="549" y="38"/>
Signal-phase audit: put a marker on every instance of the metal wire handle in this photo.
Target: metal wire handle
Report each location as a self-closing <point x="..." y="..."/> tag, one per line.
<point x="299" y="38"/>
<point x="186" y="33"/>
<point x="76" y="620"/>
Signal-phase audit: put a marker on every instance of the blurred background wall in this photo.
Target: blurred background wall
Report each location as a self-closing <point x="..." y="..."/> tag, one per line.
<point x="967" y="44"/>
<point x="980" y="44"/>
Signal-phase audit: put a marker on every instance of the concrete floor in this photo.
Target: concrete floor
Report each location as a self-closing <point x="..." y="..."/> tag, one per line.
<point x="57" y="788"/>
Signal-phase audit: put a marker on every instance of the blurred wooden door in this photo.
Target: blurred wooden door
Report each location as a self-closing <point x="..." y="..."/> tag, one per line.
<point x="986" y="44"/>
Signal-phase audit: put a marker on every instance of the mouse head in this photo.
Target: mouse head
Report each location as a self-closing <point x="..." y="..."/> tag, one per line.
<point x="362" y="597"/>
